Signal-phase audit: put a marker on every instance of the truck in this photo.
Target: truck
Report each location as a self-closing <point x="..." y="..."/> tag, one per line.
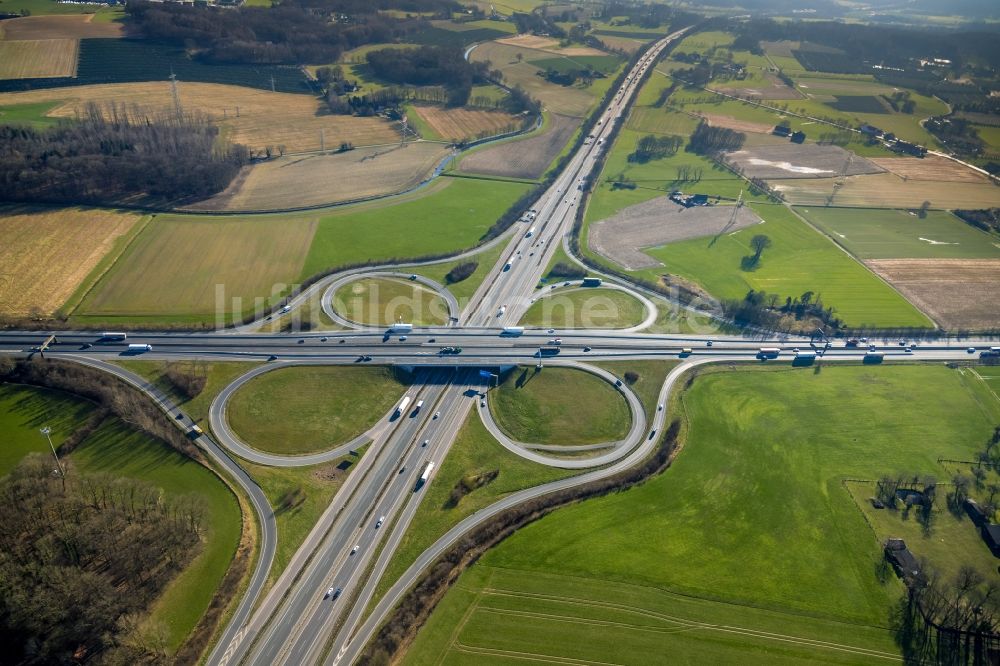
<point x="403" y="404"/>
<point x="531" y="232"/>
<point x="874" y="357"/>
<point x="512" y="330"/>
<point x="416" y="407"/>
<point x="108" y="336"/>
<point x="805" y="354"/>
<point x="424" y="476"/>
<point x="400" y="327"/>
<point x="768" y="352"/>
<point x="547" y="351"/>
<point x="139" y="348"/>
<point x="591" y="282"/>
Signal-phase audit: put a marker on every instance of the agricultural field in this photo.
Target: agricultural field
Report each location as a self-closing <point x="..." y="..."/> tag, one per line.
<point x="791" y="160"/>
<point x="661" y="577"/>
<point x="179" y="260"/>
<point x="892" y="234"/>
<point x="533" y="406"/>
<point x="47" y="254"/>
<point x="460" y="35"/>
<point x="959" y="294"/>
<point x="523" y="157"/>
<point x="180" y="266"/>
<point x="107" y="61"/>
<point x="385" y="301"/>
<point x="886" y="190"/>
<point x="567" y="100"/>
<point x="453" y="214"/>
<point x="585" y="308"/>
<point x="296" y="181"/>
<point x="278" y="411"/>
<point x="67" y="26"/>
<point x="32" y="115"/>
<point x="930" y="168"/>
<point x="551" y="45"/>
<point x="464" y="124"/>
<point x="37" y="58"/>
<point x="799" y="260"/>
<point x="116" y="449"/>
<point x="256" y="118"/>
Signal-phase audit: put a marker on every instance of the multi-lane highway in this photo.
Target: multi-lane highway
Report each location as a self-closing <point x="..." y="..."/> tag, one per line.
<point x="315" y="611"/>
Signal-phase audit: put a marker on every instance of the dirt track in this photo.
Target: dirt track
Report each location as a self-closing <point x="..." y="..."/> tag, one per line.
<point x="657" y="222"/>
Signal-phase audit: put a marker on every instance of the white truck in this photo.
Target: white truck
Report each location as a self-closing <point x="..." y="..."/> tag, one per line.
<point x="108" y="336"/>
<point x="768" y="352"/>
<point x="416" y="407"/>
<point x="403" y="404"/>
<point x="424" y="476"/>
<point x="512" y="330"/>
<point x="139" y="348"/>
<point x="400" y="327"/>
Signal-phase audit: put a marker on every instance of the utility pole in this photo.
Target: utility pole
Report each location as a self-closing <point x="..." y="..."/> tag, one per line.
<point x="177" y="97"/>
<point x="47" y="431"/>
<point x="272" y="83"/>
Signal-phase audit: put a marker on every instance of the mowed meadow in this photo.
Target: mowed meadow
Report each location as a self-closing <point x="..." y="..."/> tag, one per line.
<point x="635" y="575"/>
<point x="177" y="267"/>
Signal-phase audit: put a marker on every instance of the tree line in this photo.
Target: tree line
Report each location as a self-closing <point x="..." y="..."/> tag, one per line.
<point x="293" y="31"/>
<point x="652" y="147"/>
<point x="708" y="140"/>
<point x="81" y="559"/>
<point x="114" y="154"/>
<point x="758" y="309"/>
<point x="429" y="66"/>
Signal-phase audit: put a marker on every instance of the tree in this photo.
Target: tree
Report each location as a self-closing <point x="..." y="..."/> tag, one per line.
<point x="922" y="211"/>
<point x="759" y="243"/>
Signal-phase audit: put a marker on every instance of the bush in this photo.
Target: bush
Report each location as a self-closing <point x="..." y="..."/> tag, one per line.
<point x="461" y="272"/>
<point x="567" y="271"/>
<point x="631" y="377"/>
<point x="188" y="379"/>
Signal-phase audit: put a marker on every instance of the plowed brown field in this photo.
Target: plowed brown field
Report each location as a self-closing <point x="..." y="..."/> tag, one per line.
<point x="466" y="124"/>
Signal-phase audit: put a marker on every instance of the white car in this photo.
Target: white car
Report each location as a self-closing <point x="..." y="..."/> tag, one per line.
<point x="355" y="549"/>
<point x="437" y="414"/>
<point x="380" y="521"/>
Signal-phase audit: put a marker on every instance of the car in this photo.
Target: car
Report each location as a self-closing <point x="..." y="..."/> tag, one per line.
<point x="659" y="407"/>
<point x="531" y="254"/>
<point x="378" y="523"/>
<point x="555" y="341"/>
<point x="272" y="357"/>
<point x="402" y="338"/>
<point x="482" y="403"/>
<point x="437" y="414"/>
<point x="355" y="549"/>
<point x="708" y="343"/>
<point x="902" y="343"/>
<point x="336" y="593"/>
<point x="413" y="276"/>
<point x="87" y="345"/>
<point x="402" y="469"/>
<point x="328" y="594"/>
<point x="368" y="358"/>
<point x="323" y="339"/>
<point x="426" y="442"/>
<point x="795" y="349"/>
<point x="287" y="308"/>
<point x="551" y="330"/>
<point x="432" y="340"/>
<point x="586" y="349"/>
<point x="908" y="350"/>
<point x="971" y="350"/>
<point x="618" y="382"/>
<point x="302" y="341"/>
<point x="341" y="341"/>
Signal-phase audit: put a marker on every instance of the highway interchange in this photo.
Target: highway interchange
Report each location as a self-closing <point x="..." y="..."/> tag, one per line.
<point x="296" y="621"/>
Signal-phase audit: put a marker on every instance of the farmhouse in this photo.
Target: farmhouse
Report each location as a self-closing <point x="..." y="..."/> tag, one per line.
<point x="902" y="560"/>
<point x="991" y="535"/>
<point x="689" y="200"/>
<point x="870" y="130"/>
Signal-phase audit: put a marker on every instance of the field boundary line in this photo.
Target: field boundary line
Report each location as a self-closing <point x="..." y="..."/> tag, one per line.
<point x="114" y="262"/>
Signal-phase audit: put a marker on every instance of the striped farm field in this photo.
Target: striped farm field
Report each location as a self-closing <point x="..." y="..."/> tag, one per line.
<point x="256" y="118"/>
<point x="464" y="124"/>
<point x="38" y="58"/>
<point x="46" y="254"/>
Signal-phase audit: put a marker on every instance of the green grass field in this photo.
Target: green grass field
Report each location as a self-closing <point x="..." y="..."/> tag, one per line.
<point x="115" y="449"/>
<point x="384" y="301"/>
<point x="32" y="115"/>
<point x="585" y="308"/>
<point x="452" y="217"/>
<point x="890" y="234"/>
<point x="463" y="290"/>
<point x="632" y="576"/>
<point x="280" y="412"/>
<point x="799" y="260"/>
<point x="179" y="265"/>
<point x="23" y="411"/>
<point x="536" y="407"/>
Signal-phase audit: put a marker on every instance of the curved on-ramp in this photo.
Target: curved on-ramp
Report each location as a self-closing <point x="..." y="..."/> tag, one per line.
<point x="220" y="425"/>
<point x="343" y="280"/>
<point x="618" y="449"/>
<point x="652" y="312"/>
<point x="259" y="502"/>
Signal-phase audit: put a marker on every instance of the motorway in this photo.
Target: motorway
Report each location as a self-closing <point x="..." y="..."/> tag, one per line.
<point x="297" y="621"/>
